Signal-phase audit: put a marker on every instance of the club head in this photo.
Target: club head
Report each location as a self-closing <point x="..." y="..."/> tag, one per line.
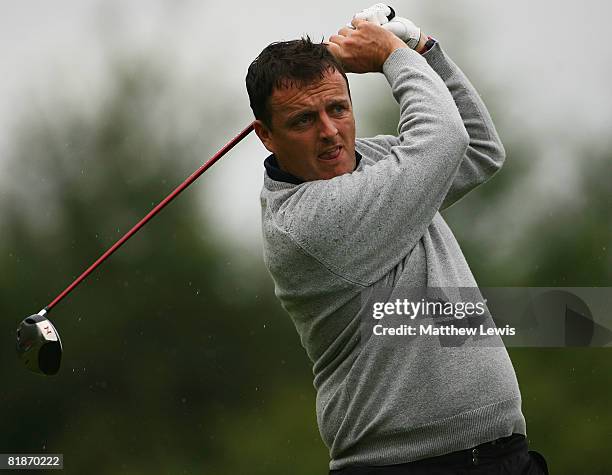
<point x="39" y="345"/>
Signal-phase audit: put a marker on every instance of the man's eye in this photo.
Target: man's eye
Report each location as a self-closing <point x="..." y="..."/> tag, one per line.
<point x="338" y="108"/>
<point x="302" y="120"/>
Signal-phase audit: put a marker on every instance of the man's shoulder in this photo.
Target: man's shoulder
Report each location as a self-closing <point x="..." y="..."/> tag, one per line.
<point x="376" y="148"/>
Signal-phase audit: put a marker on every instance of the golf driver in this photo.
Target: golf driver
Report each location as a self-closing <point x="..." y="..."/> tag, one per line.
<point x="38" y="343"/>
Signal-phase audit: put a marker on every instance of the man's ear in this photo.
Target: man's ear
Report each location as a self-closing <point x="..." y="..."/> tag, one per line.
<point x="265" y="135"/>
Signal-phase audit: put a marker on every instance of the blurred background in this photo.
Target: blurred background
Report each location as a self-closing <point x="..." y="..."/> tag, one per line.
<point x="178" y="359"/>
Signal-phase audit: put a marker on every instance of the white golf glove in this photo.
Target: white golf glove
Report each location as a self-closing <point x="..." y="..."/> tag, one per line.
<point x="384" y="16"/>
<point x="405" y="30"/>
<point x="379" y="14"/>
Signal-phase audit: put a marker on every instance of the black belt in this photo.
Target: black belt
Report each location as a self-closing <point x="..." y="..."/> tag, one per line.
<point x="501" y="447"/>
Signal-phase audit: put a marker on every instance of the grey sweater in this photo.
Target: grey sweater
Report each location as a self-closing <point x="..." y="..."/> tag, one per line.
<point x="329" y="244"/>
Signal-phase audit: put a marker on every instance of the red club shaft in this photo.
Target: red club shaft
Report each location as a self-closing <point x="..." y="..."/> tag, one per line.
<point x="152" y="213"/>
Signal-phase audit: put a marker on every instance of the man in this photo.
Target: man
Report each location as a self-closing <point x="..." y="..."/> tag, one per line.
<point x="346" y="218"/>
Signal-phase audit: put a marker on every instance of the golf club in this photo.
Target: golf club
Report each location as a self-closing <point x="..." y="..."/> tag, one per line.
<point x="38" y="343"/>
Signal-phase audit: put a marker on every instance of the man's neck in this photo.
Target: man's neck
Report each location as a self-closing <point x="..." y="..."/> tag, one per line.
<point x="275" y="171"/>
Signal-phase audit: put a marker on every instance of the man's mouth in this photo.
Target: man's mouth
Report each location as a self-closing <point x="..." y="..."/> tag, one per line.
<point x="331" y="153"/>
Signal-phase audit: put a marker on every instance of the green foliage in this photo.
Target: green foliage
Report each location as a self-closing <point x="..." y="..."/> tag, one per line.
<point x="566" y="392"/>
<point x="173" y="354"/>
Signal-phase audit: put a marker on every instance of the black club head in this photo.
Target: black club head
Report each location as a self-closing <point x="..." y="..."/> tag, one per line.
<point x="39" y="345"/>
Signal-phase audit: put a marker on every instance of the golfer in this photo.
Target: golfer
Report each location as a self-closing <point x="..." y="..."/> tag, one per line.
<point x="345" y="217"/>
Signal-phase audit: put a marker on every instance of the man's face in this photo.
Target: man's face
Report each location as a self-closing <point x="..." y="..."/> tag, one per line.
<point x="312" y="129"/>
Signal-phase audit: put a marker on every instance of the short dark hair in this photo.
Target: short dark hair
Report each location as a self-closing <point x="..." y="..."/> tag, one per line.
<point x="287" y="64"/>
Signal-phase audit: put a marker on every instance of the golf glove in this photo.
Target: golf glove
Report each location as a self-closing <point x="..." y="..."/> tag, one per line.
<point x="384" y="16"/>
<point x="379" y="14"/>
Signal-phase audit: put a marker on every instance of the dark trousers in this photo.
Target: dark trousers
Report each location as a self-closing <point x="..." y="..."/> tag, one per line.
<point x="505" y="456"/>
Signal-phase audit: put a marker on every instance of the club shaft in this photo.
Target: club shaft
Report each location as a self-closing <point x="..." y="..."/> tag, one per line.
<point x="151" y="214"/>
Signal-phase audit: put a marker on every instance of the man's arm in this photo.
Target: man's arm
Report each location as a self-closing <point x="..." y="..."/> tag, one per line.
<point x="361" y="224"/>
<point x="485" y="154"/>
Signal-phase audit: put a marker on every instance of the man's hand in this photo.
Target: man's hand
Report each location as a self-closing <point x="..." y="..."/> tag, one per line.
<point x="378" y="14"/>
<point x="365" y="48"/>
<point x="403" y="28"/>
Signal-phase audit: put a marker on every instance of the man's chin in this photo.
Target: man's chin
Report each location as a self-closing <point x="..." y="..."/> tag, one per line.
<point x="336" y="165"/>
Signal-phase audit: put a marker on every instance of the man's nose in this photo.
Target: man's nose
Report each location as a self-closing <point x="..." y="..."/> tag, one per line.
<point x="327" y="127"/>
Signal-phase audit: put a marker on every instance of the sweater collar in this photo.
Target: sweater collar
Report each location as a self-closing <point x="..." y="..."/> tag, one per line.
<point x="274" y="171"/>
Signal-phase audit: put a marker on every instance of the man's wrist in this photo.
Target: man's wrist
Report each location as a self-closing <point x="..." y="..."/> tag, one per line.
<point x="423" y="45"/>
<point x="395" y="45"/>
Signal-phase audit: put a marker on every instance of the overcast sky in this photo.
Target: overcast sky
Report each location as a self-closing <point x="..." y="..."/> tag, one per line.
<point x="550" y="60"/>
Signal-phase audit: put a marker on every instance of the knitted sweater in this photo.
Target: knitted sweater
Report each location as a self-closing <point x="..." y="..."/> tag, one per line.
<point x="329" y="244"/>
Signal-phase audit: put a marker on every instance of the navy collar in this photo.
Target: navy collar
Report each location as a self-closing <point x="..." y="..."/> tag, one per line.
<point x="275" y="172"/>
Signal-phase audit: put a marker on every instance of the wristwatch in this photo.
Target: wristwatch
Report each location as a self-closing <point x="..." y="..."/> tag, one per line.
<point x="429" y="44"/>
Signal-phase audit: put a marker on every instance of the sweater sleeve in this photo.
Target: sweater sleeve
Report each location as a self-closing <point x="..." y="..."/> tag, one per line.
<point x="485" y="154"/>
<point x="362" y="224"/>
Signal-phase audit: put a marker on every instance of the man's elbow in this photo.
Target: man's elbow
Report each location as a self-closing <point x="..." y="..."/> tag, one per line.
<point x="491" y="154"/>
<point x="460" y="139"/>
<point x="498" y="154"/>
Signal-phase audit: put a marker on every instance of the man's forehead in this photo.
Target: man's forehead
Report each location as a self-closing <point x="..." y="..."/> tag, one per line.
<point x="292" y="96"/>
